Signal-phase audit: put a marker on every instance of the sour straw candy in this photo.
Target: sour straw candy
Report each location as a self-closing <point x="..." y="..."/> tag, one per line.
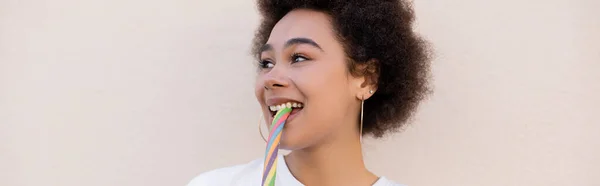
<point x="270" y="169"/>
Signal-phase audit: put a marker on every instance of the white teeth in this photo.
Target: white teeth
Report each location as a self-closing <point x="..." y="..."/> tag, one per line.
<point x="285" y="105"/>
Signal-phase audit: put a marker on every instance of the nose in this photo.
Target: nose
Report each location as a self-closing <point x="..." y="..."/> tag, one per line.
<point x="276" y="79"/>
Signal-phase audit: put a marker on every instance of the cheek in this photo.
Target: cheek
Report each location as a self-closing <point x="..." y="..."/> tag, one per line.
<point x="325" y="88"/>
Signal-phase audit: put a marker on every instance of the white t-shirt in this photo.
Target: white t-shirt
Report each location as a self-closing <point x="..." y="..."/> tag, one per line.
<point x="250" y="175"/>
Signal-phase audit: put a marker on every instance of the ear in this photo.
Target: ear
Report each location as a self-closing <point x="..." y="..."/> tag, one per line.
<point x="367" y="81"/>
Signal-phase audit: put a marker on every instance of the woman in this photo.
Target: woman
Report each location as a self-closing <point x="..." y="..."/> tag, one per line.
<point x="325" y="57"/>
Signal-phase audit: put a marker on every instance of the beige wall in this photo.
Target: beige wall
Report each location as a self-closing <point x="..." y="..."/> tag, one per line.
<point x="132" y="93"/>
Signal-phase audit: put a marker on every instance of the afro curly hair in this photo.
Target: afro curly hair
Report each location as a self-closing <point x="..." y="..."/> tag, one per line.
<point x="375" y="33"/>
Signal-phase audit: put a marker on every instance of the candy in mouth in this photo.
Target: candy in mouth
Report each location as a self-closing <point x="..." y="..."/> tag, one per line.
<point x="292" y="105"/>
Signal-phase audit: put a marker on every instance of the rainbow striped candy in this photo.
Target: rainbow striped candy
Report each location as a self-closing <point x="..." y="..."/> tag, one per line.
<point x="270" y="169"/>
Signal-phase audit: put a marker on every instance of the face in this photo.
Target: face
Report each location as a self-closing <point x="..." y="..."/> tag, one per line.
<point x="303" y="63"/>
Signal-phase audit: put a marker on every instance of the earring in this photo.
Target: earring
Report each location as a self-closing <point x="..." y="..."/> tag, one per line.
<point x="362" y="105"/>
<point x="260" y="119"/>
<point x="371" y="91"/>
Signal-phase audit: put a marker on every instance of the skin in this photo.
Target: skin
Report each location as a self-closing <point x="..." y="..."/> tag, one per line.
<point x="304" y="61"/>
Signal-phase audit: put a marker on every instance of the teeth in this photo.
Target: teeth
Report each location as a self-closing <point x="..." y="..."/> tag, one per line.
<point x="285" y="105"/>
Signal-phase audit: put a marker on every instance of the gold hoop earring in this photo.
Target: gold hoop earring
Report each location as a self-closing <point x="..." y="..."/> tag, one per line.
<point x="362" y="105"/>
<point x="260" y="129"/>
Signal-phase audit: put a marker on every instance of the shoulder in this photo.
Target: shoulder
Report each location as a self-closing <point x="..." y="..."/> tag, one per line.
<point x="383" y="181"/>
<point x="241" y="173"/>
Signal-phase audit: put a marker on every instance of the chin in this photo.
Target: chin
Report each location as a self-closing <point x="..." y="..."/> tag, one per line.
<point x="291" y="142"/>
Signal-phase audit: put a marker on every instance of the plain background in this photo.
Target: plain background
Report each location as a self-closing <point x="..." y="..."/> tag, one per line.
<point x="152" y="93"/>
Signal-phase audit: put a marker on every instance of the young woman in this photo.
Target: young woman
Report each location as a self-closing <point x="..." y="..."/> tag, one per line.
<point x="327" y="58"/>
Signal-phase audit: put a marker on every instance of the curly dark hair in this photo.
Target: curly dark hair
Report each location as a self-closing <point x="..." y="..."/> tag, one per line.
<point x="377" y="34"/>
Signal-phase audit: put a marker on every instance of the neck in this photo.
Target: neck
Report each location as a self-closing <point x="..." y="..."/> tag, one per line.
<point x="337" y="161"/>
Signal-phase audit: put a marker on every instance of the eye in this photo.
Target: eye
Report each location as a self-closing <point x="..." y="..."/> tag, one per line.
<point x="298" y="58"/>
<point x="266" y="64"/>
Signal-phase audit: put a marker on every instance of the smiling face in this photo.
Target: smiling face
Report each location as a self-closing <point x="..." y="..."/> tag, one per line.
<point x="303" y="63"/>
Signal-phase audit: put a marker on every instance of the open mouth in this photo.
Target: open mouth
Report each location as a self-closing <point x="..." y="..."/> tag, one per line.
<point x="295" y="106"/>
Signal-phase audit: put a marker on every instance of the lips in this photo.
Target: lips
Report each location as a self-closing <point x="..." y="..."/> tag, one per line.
<point x="295" y="106"/>
<point x="295" y="112"/>
<point x="276" y="104"/>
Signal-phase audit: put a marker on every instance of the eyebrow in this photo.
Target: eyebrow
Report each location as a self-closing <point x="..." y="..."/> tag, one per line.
<point x="293" y="41"/>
